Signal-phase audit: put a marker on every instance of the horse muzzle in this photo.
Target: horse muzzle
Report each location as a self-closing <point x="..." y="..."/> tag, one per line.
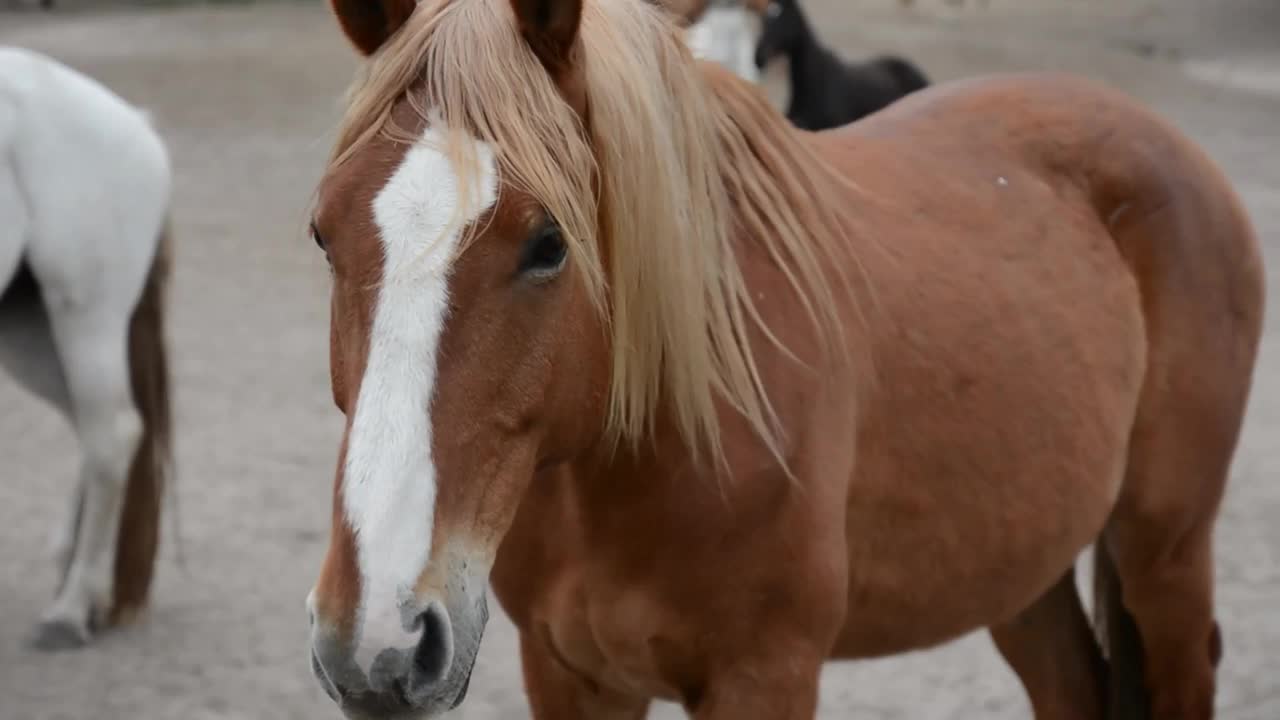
<point x="423" y="679"/>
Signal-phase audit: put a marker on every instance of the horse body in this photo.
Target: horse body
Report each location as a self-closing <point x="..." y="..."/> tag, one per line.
<point x="1051" y="304"/>
<point x="996" y="386"/>
<point x="826" y="91"/>
<point x="725" y="33"/>
<point x="84" y="193"/>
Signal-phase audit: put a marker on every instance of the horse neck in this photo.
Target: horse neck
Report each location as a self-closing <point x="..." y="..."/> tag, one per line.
<point x="623" y="491"/>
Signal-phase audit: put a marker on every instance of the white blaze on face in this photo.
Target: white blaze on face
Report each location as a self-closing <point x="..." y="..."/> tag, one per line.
<point x="389" y="481"/>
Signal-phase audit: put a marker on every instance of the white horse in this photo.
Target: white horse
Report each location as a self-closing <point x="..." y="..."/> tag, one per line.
<point x="84" y="196"/>
<point x="726" y="33"/>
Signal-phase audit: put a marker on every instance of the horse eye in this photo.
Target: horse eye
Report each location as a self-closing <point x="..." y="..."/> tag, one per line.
<point x="544" y="253"/>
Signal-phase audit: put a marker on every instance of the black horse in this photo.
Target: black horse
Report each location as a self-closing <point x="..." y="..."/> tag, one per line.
<point x="826" y="91"/>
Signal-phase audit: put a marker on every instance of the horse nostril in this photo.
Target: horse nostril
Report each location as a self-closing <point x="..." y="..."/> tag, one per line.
<point x="432" y="656"/>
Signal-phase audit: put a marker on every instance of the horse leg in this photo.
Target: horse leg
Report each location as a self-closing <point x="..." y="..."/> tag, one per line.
<point x="556" y="693"/>
<point x="1166" y="580"/>
<point x="92" y="344"/>
<point x="1198" y="265"/>
<point x="1051" y="647"/>
<point x="63" y="540"/>
<point x="1159" y="538"/>
<point x="28" y="353"/>
<point x="27" y="349"/>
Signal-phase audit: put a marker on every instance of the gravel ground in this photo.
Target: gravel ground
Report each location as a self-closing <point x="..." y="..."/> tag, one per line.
<point x="247" y="96"/>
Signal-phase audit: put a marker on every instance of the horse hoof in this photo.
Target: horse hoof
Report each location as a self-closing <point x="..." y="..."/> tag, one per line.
<point x="59" y="635"/>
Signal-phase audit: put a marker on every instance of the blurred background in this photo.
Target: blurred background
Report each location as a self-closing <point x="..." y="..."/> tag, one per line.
<point x="246" y="95"/>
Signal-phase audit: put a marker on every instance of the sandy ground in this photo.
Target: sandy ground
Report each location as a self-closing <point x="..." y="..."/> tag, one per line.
<point x="246" y="97"/>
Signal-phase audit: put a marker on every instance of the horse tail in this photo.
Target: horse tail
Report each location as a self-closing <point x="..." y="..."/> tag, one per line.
<point x="905" y="73"/>
<point x="1118" y="635"/>
<point x="139" y="535"/>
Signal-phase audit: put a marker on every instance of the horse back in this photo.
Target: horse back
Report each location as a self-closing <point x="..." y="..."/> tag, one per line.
<point x="1095" y="148"/>
<point x="1054" y="174"/>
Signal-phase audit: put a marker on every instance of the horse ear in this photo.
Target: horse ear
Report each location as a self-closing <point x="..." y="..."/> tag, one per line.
<point x="368" y="23"/>
<point x="551" y="28"/>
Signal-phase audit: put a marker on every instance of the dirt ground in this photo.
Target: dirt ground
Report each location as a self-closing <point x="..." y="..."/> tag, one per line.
<point x="247" y="95"/>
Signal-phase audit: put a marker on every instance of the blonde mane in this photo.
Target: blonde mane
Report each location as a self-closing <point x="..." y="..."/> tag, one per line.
<point x="677" y="162"/>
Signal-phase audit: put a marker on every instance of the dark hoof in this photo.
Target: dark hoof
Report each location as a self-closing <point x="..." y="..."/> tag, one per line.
<point x="59" y="635"/>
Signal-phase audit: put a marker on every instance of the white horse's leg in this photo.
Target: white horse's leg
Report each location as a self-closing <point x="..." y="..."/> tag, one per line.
<point x="62" y="542"/>
<point x="28" y="353"/>
<point x="27" y="349"/>
<point x="92" y="343"/>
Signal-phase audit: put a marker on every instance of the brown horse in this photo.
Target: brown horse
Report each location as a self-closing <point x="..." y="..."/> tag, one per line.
<point x="711" y="400"/>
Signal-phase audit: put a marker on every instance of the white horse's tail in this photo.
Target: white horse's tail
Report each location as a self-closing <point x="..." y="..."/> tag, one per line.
<point x="139" y="536"/>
